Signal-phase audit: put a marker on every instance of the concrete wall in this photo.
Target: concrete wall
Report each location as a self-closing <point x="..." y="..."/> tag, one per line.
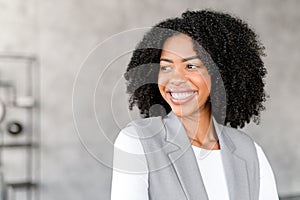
<point x="64" y="33"/>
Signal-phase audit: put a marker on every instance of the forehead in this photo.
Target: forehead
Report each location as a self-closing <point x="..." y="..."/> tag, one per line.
<point x="180" y="45"/>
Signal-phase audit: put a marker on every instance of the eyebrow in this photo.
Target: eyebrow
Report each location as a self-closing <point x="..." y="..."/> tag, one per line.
<point x="183" y="60"/>
<point x="190" y="58"/>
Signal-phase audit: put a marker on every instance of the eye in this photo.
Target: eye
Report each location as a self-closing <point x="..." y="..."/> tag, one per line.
<point x="190" y="66"/>
<point x="165" y="68"/>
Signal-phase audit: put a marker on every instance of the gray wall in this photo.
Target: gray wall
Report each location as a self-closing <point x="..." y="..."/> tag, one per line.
<point x="64" y="33"/>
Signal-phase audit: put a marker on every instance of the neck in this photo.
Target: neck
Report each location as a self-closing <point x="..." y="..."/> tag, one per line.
<point x="200" y="130"/>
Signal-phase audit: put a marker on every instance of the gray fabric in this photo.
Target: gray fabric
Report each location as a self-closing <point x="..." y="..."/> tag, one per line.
<point x="173" y="168"/>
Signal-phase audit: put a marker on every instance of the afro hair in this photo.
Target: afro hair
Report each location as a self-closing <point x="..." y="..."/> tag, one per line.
<point x="229" y="49"/>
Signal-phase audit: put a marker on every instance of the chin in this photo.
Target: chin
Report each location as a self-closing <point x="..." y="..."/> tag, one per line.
<point x="179" y="112"/>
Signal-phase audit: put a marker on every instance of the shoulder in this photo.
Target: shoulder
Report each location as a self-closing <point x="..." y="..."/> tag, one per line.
<point x="145" y="122"/>
<point x="128" y="154"/>
<point x="264" y="164"/>
<point x="239" y="142"/>
<point x="128" y="140"/>
<point x="129" y="137"/>
<point x="238" y="136"/>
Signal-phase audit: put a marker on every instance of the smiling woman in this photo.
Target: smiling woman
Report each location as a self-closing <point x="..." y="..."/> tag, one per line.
<point x="205" y="71"/>
<point x="183" y="80"/>
<point x="184" y="83"/>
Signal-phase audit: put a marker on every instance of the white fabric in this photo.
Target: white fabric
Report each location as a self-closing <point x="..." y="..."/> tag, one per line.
<point x="131" y="184"/>
<point x="212" y="172"/>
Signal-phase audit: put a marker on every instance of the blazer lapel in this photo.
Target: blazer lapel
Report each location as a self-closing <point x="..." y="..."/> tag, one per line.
<point x="234" y="166"/>
<point x="180" y="155"/>
<point x="186" y="167"/>
<point x="183" y="159"/>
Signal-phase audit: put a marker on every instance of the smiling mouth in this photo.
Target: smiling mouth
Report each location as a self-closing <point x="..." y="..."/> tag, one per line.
<point x="181" y="97"/>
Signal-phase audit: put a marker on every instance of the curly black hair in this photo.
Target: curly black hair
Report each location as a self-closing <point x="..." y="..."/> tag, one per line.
<point x="227" y="46"/>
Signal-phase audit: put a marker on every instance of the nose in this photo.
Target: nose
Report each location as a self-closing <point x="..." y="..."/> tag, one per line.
<point x="177" y="78"/>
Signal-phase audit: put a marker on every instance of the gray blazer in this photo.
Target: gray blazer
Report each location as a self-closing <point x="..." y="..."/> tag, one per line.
<point x="173" y="169"/>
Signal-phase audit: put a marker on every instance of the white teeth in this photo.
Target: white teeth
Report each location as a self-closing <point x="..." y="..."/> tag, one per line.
<point x="181" y="95"/>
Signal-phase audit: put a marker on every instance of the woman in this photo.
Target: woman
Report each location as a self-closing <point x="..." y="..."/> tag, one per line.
<point x="194" y="79"/>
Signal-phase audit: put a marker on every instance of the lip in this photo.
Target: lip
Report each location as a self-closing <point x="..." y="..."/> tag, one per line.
<point x="181" y="101"/>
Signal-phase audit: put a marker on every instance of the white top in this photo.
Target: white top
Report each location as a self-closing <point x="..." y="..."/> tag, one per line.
<point x="212" y="172"/>
<point x="130" y="178"/>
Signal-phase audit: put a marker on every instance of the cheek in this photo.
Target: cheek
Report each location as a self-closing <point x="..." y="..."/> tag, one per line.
<point x="161" y="89"/>
<point x="162" y="81"/>
<point x="203" y="82"/>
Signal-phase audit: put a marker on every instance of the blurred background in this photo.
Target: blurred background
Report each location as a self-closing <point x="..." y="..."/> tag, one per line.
<point x="63" y="97"/>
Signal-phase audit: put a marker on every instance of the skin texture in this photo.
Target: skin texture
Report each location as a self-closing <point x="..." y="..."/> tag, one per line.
<point x="181" y="71"/>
